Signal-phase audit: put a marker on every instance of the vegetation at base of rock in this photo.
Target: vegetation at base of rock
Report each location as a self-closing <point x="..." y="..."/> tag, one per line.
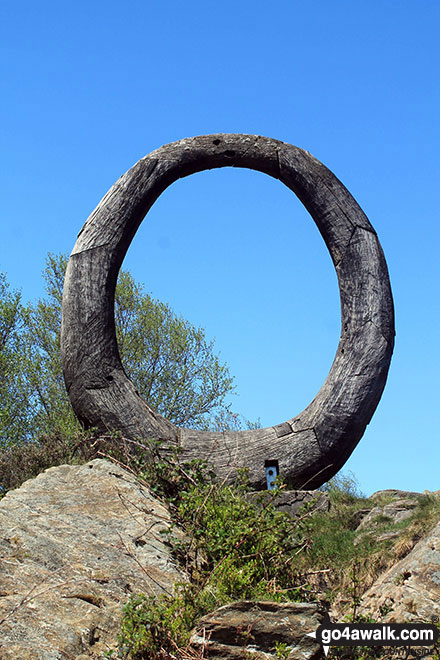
<point x="26" y="460"/>
<point x="156" y="626"/>
<point x="234" y="548"/>
<point x="282" y="651"/>
<point x="237" y="548"/>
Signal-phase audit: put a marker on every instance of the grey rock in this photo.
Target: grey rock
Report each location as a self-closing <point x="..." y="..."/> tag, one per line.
<point x="295" y="502"/>
<point x="409" y="590"/>
<point x="396" y="511"/>
<point x="386" y="536"/>
<point x="75" y="544"/>
<point x="393" y="493"/>
<point x="358" y="516"/>
<point x="256" y="627"/>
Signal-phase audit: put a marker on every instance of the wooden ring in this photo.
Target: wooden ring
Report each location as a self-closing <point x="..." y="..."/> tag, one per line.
<point x="310" y="447"/>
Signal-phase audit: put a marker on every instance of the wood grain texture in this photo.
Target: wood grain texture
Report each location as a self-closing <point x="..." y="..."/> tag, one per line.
<point x="310" y="447"/>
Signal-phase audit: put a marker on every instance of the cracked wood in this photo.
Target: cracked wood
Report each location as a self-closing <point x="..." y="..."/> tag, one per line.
<point x="311" y="446"/>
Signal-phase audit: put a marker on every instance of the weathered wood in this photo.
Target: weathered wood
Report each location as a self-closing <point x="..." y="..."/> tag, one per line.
<point x="310" y="447"/>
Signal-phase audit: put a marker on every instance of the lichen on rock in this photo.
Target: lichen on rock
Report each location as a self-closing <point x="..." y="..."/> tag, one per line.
<point x="75" y="544"/>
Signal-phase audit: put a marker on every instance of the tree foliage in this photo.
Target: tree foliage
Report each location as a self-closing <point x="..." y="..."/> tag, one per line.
<point x="172" y="365"/>
<point x="13" y="384"/>
<point x="169" y="360"/>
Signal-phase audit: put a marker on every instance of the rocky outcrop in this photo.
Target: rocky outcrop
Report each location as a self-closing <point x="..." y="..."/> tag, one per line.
<point x="409" y="590"/>
<point x="78" y="541"/>
<point x="389" y="506"/>
<point x="255" y="628"/>
<point x="294" y="502"/>
<point x="395" y="512"/>
<point x="394" y="494"/>
<point x="394" y="505"/>
<point x="75" y="543"/>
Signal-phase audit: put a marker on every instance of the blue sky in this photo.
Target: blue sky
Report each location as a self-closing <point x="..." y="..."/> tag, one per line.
<point x="89" y="88"/>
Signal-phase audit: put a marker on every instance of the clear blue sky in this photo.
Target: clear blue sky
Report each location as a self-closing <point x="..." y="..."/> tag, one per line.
<point x="89" y="88"/>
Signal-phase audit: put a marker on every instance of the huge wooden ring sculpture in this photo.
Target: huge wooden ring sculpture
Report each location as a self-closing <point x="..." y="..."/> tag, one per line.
<point x="310" y="447"/>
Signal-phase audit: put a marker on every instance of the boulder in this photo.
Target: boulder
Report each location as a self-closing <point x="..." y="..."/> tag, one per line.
<point x="409" y="590"/>
<point x="394" y="494"/>
<point x="253" y="629"/>
<point x="396" y="505"/>
<point x="295" y="502"/>
<point x="396" y="511"/>
<point x="75" y="544"/>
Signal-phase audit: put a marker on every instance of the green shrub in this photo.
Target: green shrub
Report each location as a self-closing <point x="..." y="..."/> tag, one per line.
<point x="236" y="547"/>
<point x="21" y="462"/>
<point x="155" y="626"/>
<point x="246" y="544"/>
